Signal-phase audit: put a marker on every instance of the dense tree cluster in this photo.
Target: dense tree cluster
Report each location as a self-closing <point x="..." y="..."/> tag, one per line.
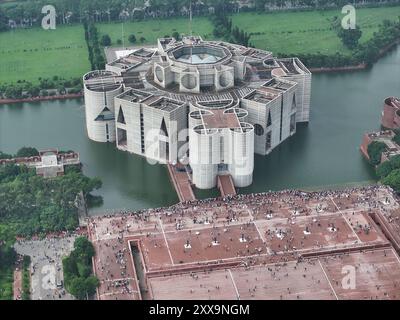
<point x="77" y="268"/>
<point x="375" y="150"/>
<point x="389" y="171"/>
<point x="96" y="56"/>
<point x="45" y="87"/>
<point x="7" y="256"/>
<point x="26" y="279"/>
<point x="365" y="53"/>
<point x="350" y="36"/>
<point x="30" y="204"/>
<point x="384" y="169"/>
<point x="393" y="180"/>
<point x="7" y="260"/>
<point x="3" y="20"/>
<point x="28" y="13"/>
<point x="21" y="153"/>
<point x="223" y="28"/>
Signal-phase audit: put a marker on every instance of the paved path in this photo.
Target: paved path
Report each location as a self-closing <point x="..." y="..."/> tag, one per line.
<point x="181" y="182"/>
<point x="46" y="266"/>
<point x="17" y="284"/>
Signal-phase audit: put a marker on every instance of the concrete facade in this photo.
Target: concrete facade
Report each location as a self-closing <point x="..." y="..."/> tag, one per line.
<point x="100" y="90"/>
<point x="208" y="104"/>
<point x="220" y="143"/>
<point x="391" y="113"/>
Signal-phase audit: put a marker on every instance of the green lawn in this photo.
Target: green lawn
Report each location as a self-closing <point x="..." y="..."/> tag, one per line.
<point x="6" y="284"/>
<point x="30" y="54"/>
<point x="151" y="30"/>
<point x="307" y="32"/>
<point x="33" y="53"/>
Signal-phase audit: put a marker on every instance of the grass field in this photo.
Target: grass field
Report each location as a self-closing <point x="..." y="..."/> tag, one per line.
<point x="151" y="30"/>
<point x="30" y="54"/>
<point x="6" y="284"/>
<point x="33" y="53"/>
<point x="307" y="32"/>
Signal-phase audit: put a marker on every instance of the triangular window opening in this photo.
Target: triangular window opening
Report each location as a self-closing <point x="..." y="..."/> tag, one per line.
<point x="294" y="105"/>
<point x="269" y="122"/>
<point x="105" y="115"/>
<point x="121" y="117"/>
<point x="163" y="129"/>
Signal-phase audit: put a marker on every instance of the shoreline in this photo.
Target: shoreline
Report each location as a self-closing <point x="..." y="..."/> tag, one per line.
<point x="48" y="98"/>
<point x="361" y="66"/>
<point x="358" y="67"/>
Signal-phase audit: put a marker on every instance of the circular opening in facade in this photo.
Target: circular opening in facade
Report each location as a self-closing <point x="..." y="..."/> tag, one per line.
<point x="189" y="81"/>
<point x="159" y="74"/>
<point x="225" y="79"/>
<point x="269" y="62"/>
<point x="258" y="129"/>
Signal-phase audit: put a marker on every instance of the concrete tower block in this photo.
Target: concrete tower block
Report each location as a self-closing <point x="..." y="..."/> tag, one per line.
<point x="100" y="89"/>
<point x="241" y="164"/>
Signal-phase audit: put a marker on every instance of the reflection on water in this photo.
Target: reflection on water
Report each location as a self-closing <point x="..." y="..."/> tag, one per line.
<point x="323" y="153"/>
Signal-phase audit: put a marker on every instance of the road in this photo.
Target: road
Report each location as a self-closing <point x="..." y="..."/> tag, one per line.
<point x="46" y="267"/>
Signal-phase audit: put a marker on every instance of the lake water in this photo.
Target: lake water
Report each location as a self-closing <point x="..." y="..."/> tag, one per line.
<point x="324" y="153"/>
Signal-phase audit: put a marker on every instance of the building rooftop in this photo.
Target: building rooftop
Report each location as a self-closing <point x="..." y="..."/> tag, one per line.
<point x="283" y="245"/>
<point x="218" y="119"/>
<point x="394" y="102"/>
<point x="134" y="95"/>
<point x="102" y="81"/>
<point x="166" y="104"/>
<point x="261" y="96"/>
<point x="199" y="54"/>
<point x="281" y="85"/>
<point x="127" y="62"/>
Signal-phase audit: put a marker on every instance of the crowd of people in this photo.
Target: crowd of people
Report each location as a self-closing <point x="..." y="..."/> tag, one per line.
<point x="242" y="210"/>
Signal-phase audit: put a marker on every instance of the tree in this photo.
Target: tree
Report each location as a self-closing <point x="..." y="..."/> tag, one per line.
<point x="5" y="156"/>
<point x="61" y="90"/>
<point x="384" y="169"/>
<point x="83" y="249"/>
<point x="375" y="150"/>
<point x="132" y="38"/>
<point x="27" y="152"/>
<point x="350" y="37"/>
<point x="77" y="288"/>
<point x="77" y="268"/>
<point x="34" y="91"/>
<point x="397" y="136"/>
<point x="7" y="256"/>
<point x="13" y="92"/>
<point x="393" y="180"/>
<point x="176" y="35"/>
<point x="105" y="40"/>
<point x="31" y="204"/>
<point x="3" y="20"/>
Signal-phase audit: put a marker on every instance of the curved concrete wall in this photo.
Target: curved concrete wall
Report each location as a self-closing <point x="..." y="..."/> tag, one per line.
<point x="390" y="115"/>
<point x="241" y="164"/>
<point x="204" y="158"/>
<point x="95" y="103"/>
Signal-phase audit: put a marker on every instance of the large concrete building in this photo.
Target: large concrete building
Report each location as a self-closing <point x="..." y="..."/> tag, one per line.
<point x="391" y="113"/>
<point x="208" y="104"/>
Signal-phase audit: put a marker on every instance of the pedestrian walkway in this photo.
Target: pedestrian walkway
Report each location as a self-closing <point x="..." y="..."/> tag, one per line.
<point x="226" y="186"/>
<point x="181" y="181"/>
